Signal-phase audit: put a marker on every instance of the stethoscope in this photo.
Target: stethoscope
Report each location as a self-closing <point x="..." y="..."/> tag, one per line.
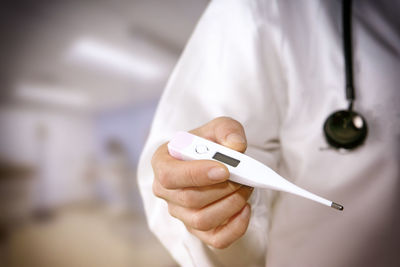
<point x="346" y="129"/>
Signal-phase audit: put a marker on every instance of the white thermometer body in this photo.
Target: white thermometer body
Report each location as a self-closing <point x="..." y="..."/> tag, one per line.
<point x="243" y="169"/>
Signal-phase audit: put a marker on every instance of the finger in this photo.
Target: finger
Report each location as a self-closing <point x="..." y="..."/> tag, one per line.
<point x="223" y="236"/>
<point x="174" y="174"/>
<point x="195" y="197"/>
<point x="213" y="215"/>
<point x="225" y="131"/>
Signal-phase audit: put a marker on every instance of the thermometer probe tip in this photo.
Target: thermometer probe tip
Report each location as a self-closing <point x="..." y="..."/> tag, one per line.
<point x="336" y="206"/>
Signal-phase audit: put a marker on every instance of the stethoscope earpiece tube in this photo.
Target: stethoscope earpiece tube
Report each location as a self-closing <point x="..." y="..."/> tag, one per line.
<point x="347" y="46"/>
<point x="346" y="128"/>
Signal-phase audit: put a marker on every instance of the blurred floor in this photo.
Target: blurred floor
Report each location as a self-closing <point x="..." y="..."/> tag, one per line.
<point x="81" y="236"/>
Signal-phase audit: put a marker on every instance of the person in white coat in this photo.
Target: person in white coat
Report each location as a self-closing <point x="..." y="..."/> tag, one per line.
<point x="262" y="77"/>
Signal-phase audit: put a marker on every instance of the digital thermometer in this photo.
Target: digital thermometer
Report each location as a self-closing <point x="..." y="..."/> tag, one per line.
<point x="243" y="169"/>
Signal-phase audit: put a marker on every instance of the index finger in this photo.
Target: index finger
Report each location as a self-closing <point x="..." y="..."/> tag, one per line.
<point x="174" y="174"/>
<point x="225" y="131"/>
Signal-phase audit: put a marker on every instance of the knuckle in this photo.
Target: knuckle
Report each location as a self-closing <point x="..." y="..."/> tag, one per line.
<point x="232" y="186"/>
<point x="171" y="210"/>
<point x="186" y="198"/>
<point x="155" y="158"/>
<point x="156" y="189"/>
<point x="236" y="201"/>
<point x="191" y="230"/>
<point x="218" y="242"/>
<point x="200" y="222"/>
<point x="229" y="120"/>
<point x="193" y="176"/>
<point x="240" y="230"/>
<point x="224" y="119"/>
<point x="164" y="178"/>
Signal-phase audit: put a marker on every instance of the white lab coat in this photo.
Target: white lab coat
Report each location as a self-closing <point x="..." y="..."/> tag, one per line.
<point x="277" y="67"/>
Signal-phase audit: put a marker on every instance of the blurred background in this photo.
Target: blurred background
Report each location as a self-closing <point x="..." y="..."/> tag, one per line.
<point x="79" y="84"/>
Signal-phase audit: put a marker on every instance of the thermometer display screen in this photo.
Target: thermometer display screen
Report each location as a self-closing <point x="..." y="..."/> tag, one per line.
<point x="226" y="159"/>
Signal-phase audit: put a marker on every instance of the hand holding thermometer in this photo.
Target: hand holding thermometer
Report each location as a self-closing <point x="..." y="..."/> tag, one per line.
<point x="243" y="169"/>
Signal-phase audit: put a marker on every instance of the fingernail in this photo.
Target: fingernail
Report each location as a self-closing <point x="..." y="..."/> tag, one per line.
<point x="217" y="173"/>
<point x="235" y="138"/>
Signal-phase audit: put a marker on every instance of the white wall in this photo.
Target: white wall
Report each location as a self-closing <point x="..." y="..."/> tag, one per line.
<point x="60" y="156"/>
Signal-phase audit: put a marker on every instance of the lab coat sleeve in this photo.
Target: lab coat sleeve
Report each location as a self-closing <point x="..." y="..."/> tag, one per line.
<point x="229" y="68"/>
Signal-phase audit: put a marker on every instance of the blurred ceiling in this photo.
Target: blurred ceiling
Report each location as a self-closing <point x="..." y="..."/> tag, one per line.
<point x="107" y="53"/>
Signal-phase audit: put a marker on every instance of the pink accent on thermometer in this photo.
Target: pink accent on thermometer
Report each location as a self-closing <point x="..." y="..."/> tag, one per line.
<point x="180" y="141"/>
<point x="243" y="169"/>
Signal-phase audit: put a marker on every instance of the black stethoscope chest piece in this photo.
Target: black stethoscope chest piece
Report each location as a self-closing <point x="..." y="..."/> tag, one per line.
<point x="346" y="128"/>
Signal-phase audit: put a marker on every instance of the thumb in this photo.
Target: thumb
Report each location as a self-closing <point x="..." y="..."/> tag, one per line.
<point x="225" y="131"/>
